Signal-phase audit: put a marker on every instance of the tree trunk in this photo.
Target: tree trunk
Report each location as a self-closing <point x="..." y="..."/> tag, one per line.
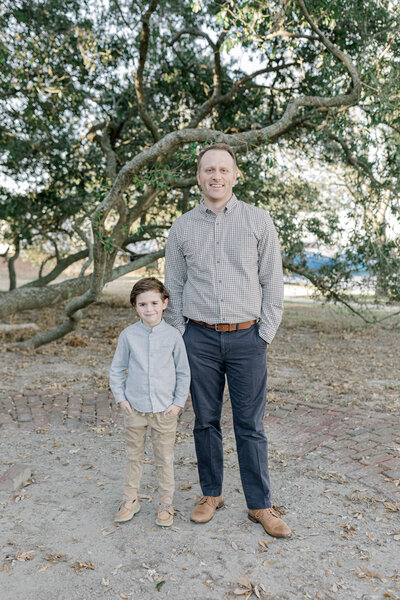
<point x="11" y="268"/>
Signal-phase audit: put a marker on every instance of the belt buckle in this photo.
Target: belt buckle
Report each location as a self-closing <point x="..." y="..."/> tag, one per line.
<point x="216" y="327"/>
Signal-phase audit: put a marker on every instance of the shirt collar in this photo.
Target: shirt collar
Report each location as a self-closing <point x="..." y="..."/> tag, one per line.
<point x="227" y="208"/>
<point x="156" y="328"/>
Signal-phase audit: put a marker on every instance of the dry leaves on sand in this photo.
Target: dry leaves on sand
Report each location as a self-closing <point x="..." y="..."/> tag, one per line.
<point x="185" y="486"/>
<point x="263" y="545"/>
<point x="52" y="559"/>
<point x="79" y="566"/>
<point x="247" y="588"/>
<point x="390" y="506"/>
<point x="21" y="556"/>
<point x="349" y="529"/>
<point x="363" y="573"/>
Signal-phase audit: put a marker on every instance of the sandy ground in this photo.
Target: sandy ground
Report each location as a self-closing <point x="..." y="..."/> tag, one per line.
<point x="58" y="536"/>
<point x="59" y="540"/>
<point x="321" y="353"/>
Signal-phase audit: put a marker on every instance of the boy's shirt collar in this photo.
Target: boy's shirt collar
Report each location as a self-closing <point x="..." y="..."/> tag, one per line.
<point x="156" y="328"/>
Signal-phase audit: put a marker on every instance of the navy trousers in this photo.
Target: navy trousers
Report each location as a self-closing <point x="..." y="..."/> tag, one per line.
<point x="241" y="356"/>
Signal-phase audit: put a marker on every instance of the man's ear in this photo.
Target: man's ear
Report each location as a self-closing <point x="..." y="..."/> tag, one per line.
<point x="198" y="177"/>
<point x="165" y="303"/>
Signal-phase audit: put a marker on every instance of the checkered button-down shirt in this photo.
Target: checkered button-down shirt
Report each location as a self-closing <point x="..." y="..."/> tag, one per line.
<point x="225" y="268"/>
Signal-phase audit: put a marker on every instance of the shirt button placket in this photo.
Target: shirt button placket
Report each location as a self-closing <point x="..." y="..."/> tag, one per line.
<point x="151" y="393"/>
<point x="218" y="264"/>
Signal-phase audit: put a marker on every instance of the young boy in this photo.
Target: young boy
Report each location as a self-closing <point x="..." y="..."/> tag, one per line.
<point x="151" y="395"/>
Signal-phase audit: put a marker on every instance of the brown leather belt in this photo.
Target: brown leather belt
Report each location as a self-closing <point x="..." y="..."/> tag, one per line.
<point x="226" y="326"/>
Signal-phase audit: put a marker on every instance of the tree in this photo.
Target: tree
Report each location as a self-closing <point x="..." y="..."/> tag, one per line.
<point x="126" y="120"/>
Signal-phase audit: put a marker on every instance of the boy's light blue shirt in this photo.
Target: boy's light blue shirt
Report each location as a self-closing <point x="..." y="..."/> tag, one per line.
<point x="157" y="364"/>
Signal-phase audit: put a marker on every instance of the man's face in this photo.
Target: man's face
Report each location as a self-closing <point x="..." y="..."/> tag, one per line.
<point x="216" y="176"/>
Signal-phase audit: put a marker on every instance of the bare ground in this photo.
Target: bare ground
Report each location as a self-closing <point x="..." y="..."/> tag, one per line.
<point x="321" y="354"/>
<point x="58" y="539"/>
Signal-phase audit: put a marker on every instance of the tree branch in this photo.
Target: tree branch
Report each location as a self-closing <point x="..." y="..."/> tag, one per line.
<point x="144" y="44"/>
<point x="325" y="289"/>
<point x="61" y="265"/>
<point x="73" y="310"/>
<point x="11" y="266"/>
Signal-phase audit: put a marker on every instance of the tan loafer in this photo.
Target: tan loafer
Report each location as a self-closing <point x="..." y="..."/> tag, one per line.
<point x="271" y="522"/>
<point x="205" y="508"/>
<point x="165" y="515"/>
<point x="127" y="510"/>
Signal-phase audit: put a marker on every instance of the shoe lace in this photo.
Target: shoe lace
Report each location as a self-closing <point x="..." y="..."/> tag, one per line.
<point x="207" y="499"/>
<point x="166" y="507"/>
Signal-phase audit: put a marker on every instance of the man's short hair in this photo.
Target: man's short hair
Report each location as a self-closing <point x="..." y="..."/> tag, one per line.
<point x="148" y="284"/>
<point x="216" y="146"/>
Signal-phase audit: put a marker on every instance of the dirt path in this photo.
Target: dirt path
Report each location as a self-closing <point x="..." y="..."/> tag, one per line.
<point x="334" y="439"/>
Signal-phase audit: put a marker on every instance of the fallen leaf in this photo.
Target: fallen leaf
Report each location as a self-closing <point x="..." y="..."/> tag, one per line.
<point x="80" y="566"/>
<point x="23" y="556"/>
<point x="363" y="573"/>
<point x="390" y="506"/>
<point x="244" y="581"/>
<point x="117" y="568"/>
<point x="349" y="529"/>
<point x="46" y="566"/>
<point x="263" y="545"/>
<point x="55" y="558"/>
<point x="185" y="486"/>
<point x="159" y="585"/>
<point x="208" y="584"/>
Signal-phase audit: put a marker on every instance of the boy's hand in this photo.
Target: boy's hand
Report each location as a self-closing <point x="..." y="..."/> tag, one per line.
<point x="125" y="406"/>
<point x="172" y="408"/>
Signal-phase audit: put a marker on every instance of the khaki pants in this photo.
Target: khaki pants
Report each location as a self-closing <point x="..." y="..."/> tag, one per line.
<point x="163" y="429"/>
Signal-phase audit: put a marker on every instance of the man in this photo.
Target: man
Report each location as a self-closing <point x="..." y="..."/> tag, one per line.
<point x="224" y="276"/>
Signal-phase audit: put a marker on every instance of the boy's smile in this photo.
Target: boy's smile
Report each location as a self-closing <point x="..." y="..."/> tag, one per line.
<point x="150" y="307"/>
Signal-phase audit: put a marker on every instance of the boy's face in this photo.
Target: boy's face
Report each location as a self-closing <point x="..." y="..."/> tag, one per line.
<point x="150" y="306"/>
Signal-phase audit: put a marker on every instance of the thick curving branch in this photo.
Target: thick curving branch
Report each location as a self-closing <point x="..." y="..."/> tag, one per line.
<point x="144" y="44"/>
<point x="336" y="51"/>
<point x="73" y="310"/>
<point x="238" y="85"/>
<point x="191" y="31"/>
<point x="61" y="265"/>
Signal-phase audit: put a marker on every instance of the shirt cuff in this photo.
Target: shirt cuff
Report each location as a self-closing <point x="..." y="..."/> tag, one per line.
<point x="179" y="403"/>
<point x="263" y="333"/>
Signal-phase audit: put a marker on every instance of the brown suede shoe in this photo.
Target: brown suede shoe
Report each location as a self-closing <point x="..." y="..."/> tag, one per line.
<point x="271" y="522"/>
<point x="205" y="508"/>
<point x="165" y="515"/>
<point x="126" y="511"/>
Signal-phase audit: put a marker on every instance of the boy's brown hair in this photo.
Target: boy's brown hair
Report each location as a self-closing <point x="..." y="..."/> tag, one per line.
<point x="216" y="146"/>
<point x="148" y="284"/>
